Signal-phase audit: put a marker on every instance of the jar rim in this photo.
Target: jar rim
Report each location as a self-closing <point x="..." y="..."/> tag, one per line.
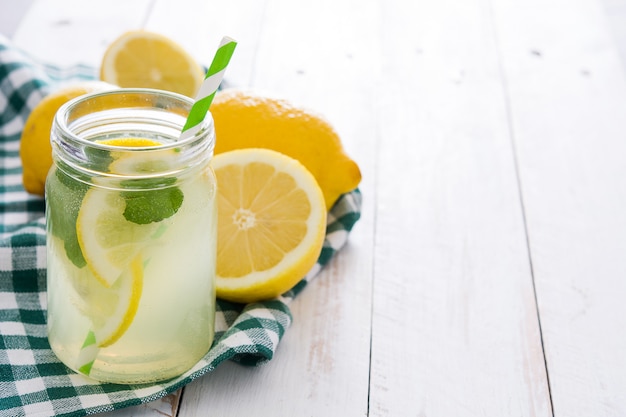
<point x="82" y="126"/>
<point x="61" y="119"/>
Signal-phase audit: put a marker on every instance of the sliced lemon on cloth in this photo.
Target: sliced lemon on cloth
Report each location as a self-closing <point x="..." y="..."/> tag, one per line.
<point x="271" y="223"/>
<point x="141" y="58"/>
<point x="107" y="240"/>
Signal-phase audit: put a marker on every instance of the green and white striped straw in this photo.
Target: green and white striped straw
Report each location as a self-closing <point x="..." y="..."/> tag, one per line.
<point x="87" y="354"/>
<point x="214" y="76"/>
<point x="209" y="87"/>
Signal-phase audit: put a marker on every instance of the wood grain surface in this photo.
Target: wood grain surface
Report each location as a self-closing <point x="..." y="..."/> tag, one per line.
<point x="487" y="274"/>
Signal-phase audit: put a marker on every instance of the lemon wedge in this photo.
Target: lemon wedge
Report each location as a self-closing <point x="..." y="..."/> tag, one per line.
<point x="271" y="223"/>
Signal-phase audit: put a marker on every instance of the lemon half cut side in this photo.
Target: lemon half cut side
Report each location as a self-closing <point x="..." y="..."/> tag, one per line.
<point x="271" y="223"/>
<point x="141" y="58"/>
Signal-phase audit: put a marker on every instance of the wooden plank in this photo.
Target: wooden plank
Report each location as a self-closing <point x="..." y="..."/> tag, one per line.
<point x="568" y="99"/>
<point x="616" y="16"/>
<point x="69" y="32"/>
<point x="322" y="365"/>
<point x="200" y="25"/>
<point x="164" y="407"/>
<point x="455" y="329"/>
<point x="11" y="13"/>
<point x="197" y="26"/>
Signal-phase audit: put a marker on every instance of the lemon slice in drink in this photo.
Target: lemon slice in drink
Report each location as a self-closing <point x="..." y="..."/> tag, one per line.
<point x="115" y="249"/>
<point x="108" y="241"/>
<point x="113" y="309"/>
<point x="271" y="223"/>
<point x="156" y="160"/>
<point x="130" y="142"/>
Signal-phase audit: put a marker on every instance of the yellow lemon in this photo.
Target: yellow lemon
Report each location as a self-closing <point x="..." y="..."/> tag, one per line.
<point x="107" y="240"/>
<point x="130" y="142"/>
<point x="146" y="59"/>
<point x="112" y="309"/>
<point x="119" y="304"/>
<point x="249" y="120"/>
<point x="271" y="223"/>
<point x="147" y="163"/>
<point x="35" y="149"/>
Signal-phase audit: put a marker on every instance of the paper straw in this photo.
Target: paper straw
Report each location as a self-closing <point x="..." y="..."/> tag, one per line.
<point x="89" y="350"/>
<point x="87" y="355"/>
<point x="209" y="87"/>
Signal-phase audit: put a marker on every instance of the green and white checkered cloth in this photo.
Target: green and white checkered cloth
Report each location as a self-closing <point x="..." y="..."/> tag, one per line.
<point x="33" y="382"/>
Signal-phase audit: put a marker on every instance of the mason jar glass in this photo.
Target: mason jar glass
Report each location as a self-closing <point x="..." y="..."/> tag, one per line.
<point x="131" y="236"/>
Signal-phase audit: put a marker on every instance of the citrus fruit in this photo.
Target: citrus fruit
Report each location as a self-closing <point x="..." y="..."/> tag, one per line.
<point x="112" y="310"/>
<point x="108" y="241"/>
<point x="119" y="304"/>
<point x="271" y="223"/>
<point x="35" y="149"/>
<point x="146" y="59"/>
<point x="130" y="142"/>
<point x="250" y="120"/>
<point x="149" y="162"/>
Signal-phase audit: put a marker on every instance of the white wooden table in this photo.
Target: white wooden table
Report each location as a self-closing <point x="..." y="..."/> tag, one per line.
<point x="487" y="276"/>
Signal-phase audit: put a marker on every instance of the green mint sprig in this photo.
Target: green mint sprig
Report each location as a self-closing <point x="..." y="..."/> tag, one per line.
<point x="154" y="205"/>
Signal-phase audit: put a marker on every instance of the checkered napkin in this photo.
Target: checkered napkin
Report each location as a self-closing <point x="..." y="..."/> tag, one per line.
<point x="32" y="380"/>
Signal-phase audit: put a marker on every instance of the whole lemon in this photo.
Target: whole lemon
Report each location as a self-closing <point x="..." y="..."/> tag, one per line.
<point x="245" y="119"/>
<point x="35" y="149"/>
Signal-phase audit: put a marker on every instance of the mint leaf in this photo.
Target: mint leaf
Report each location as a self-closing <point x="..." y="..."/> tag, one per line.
<point x="98" y="159"/>
<point x="65" y="198"/>
<point x="149" y="206"/>
<point x="73" y="251"/>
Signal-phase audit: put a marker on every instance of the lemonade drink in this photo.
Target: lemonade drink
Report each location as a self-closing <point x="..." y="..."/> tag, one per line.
<point x="131" y="220"/>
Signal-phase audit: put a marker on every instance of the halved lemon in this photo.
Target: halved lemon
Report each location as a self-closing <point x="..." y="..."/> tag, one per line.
<point x="140" y="58"/>
<point x="271" y="223"/>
